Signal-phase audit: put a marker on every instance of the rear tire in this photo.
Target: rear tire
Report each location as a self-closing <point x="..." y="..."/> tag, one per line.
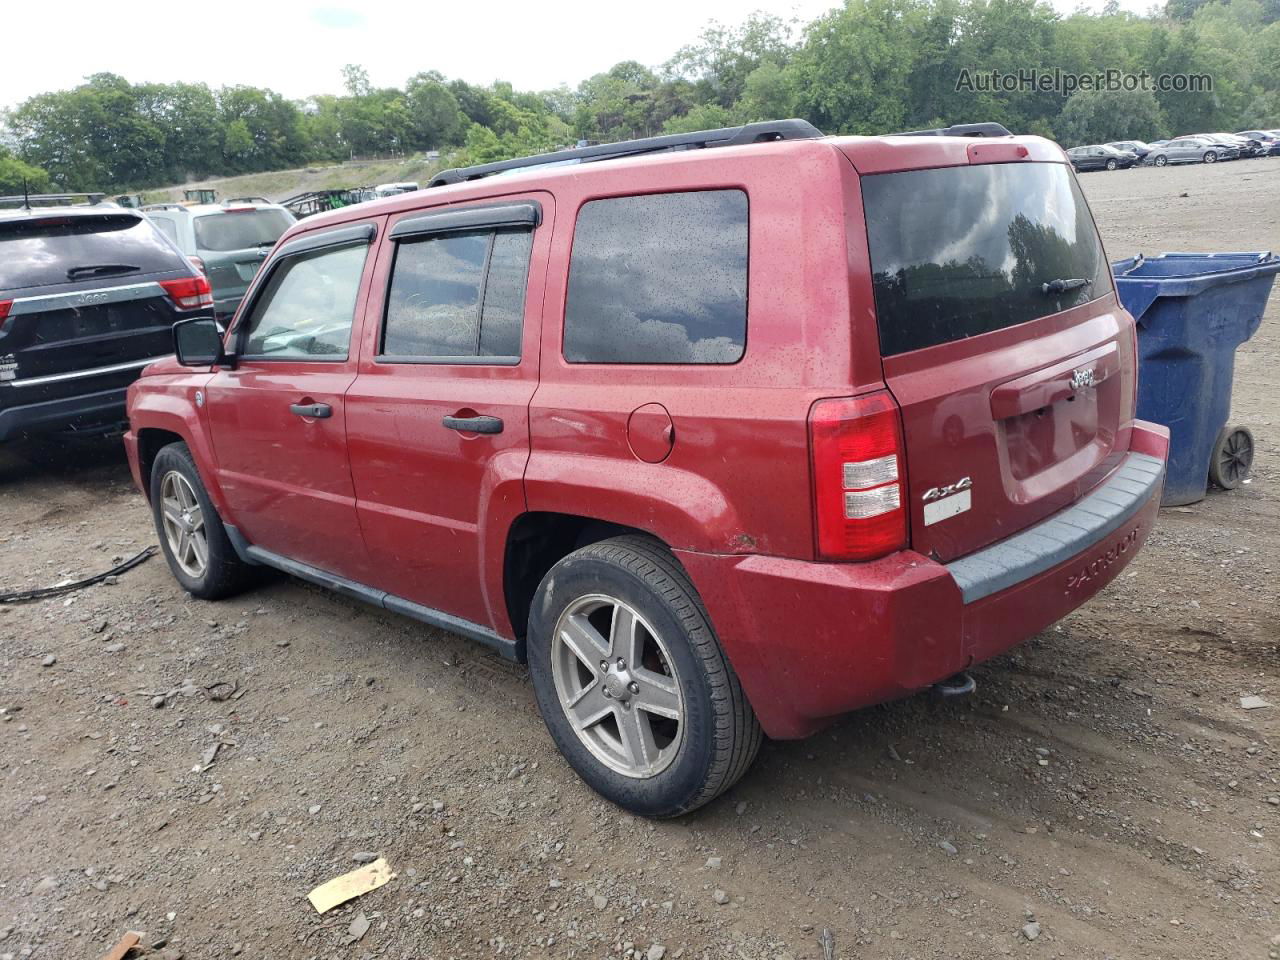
<point x="1111" y="164"/>
<point x="192" y="536"/>
<point x="617" y="627"/>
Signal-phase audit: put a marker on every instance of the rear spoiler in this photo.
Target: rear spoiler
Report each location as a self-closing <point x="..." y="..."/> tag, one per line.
<point x="960" y="130"/>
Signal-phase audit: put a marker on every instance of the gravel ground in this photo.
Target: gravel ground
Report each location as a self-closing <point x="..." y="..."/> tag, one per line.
<point x="1102" y="795"/>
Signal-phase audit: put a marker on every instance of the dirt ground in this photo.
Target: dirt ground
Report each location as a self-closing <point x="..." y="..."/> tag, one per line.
<point x="1103" y="791"/>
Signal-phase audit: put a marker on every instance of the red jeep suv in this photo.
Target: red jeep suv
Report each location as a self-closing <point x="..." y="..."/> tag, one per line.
<point x="726" y="433"/>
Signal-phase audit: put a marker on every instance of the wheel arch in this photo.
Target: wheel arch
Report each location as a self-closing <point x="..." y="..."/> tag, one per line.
<point x="538" y="540"/>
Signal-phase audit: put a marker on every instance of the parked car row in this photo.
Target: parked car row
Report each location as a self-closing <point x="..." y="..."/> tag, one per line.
<point x="1190" y="148"/>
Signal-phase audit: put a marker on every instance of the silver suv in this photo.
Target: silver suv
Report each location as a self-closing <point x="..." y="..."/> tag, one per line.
<point x="227" y="241"/>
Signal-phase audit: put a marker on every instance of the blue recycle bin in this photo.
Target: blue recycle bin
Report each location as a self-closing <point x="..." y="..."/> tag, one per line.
<point x="1193" y="310"/>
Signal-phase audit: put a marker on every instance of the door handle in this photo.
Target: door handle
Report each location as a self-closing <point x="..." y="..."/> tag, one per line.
<point x="474" y="424"/>
<point x="317" y="411"/>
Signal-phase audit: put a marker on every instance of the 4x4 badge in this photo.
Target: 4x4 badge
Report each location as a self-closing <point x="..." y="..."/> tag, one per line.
<point x="1082" y="377"/>
<point x="937" y="493"/>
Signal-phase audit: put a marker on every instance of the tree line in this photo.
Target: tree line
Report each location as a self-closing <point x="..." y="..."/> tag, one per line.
<point x="868" y="66"/>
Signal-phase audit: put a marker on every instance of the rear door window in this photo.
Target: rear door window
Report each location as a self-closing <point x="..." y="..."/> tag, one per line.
<point x="660" y="278"/>
<point x="961" y="251"/>
<point x="458" y="296"/>
<point x="40" y="251"/>
<point x="240" y="229"/>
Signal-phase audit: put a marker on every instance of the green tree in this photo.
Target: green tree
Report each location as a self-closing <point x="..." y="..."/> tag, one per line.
<point x="436" y="118"/>
<point x="1099" y="116"/>
<point x="17" y="176"/>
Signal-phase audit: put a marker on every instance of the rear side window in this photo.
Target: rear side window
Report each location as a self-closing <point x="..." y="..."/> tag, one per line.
<point x="660" y="278"/>
<point x="240" y="229"/>
<point x="306" y="309"/>
<point x="961" y="251"/>
<point x="41" y="251"/>
<point x="458" y="296"/>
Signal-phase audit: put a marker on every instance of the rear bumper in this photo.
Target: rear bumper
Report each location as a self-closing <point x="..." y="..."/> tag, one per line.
<point x="68" y="413"/>
<point x="811" y="641"/>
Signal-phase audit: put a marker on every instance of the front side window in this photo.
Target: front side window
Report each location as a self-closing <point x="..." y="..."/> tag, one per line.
<point x="306" y="310"/>
<point x="660" y="278"/>
<point x="458" y="296"/>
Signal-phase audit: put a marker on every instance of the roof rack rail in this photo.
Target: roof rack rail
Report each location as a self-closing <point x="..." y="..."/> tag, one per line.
<point x="164" y="205"/>
<point x="245" y="200"/>
<point x="52" y="199"/>
<point x="960" y="130"/>
<point x="702" y="139"/>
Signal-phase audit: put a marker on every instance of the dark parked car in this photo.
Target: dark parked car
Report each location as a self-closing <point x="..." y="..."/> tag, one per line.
<point x="89" y="293"/>
<point x="1269" y="140"/>
<point x="560" y="411"/>
<point x="1101" y="157"/>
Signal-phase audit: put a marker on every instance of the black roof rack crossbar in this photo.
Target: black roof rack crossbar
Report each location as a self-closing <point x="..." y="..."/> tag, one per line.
<point x="702" y="139"/>
<point x="960" y="130"/>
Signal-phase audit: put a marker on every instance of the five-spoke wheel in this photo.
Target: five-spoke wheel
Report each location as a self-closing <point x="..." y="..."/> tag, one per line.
<point x="631" y="680"/>
<point x="617" y="686"/>
<point x="184" y="524"/>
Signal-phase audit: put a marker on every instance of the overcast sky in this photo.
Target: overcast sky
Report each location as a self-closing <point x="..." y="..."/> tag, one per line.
<point x="298" y="46"/>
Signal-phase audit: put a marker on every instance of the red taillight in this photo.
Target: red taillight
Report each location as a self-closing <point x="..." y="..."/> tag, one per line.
<point x="5" y="306"/>
<point x="859" y="477"/>
<point x="189" y="293"/>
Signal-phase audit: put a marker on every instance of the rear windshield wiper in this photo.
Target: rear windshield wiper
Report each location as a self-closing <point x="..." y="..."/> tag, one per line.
<point x="1062" y="286"/>
<point x="100" y="269"/>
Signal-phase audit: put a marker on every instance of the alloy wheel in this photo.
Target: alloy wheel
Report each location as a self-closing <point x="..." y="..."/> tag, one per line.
<point x="183" y="520"/>
<point x="617" y="684"/>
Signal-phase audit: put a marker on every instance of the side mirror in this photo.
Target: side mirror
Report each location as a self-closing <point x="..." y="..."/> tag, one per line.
<point x="198" y="342"/>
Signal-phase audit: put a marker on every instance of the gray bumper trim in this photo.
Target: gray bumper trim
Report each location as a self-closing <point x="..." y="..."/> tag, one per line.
<point x="1062" y="536"/>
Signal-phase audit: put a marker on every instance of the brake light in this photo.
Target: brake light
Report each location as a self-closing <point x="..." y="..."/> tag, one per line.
<point x="5" y="307"/>
<point x="189" y="293"/>
<point x="859" y="477"/>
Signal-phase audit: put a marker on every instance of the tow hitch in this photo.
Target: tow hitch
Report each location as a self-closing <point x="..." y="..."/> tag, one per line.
<point x="957" y="685"/>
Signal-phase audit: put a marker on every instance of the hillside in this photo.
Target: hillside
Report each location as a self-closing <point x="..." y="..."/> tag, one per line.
<point x="279" y="185"/>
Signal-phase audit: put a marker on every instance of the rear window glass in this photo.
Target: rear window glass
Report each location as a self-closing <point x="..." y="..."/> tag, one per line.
<point x="240" y="229"/>
<point x="961" y="251"/>
<point x="659" y="279"/>
<point x="40" y="252"/>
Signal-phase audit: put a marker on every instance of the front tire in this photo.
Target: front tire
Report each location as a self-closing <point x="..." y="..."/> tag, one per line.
<point x="1161" y="161"/>
<point x="192" y="536"/>
<point x="1210" y="157"/>
<point x="1111" y="164"/>
<point x="632" y="683"/>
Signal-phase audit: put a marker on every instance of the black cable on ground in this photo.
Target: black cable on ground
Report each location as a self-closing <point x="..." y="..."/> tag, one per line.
<point x="24" y="595"/>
